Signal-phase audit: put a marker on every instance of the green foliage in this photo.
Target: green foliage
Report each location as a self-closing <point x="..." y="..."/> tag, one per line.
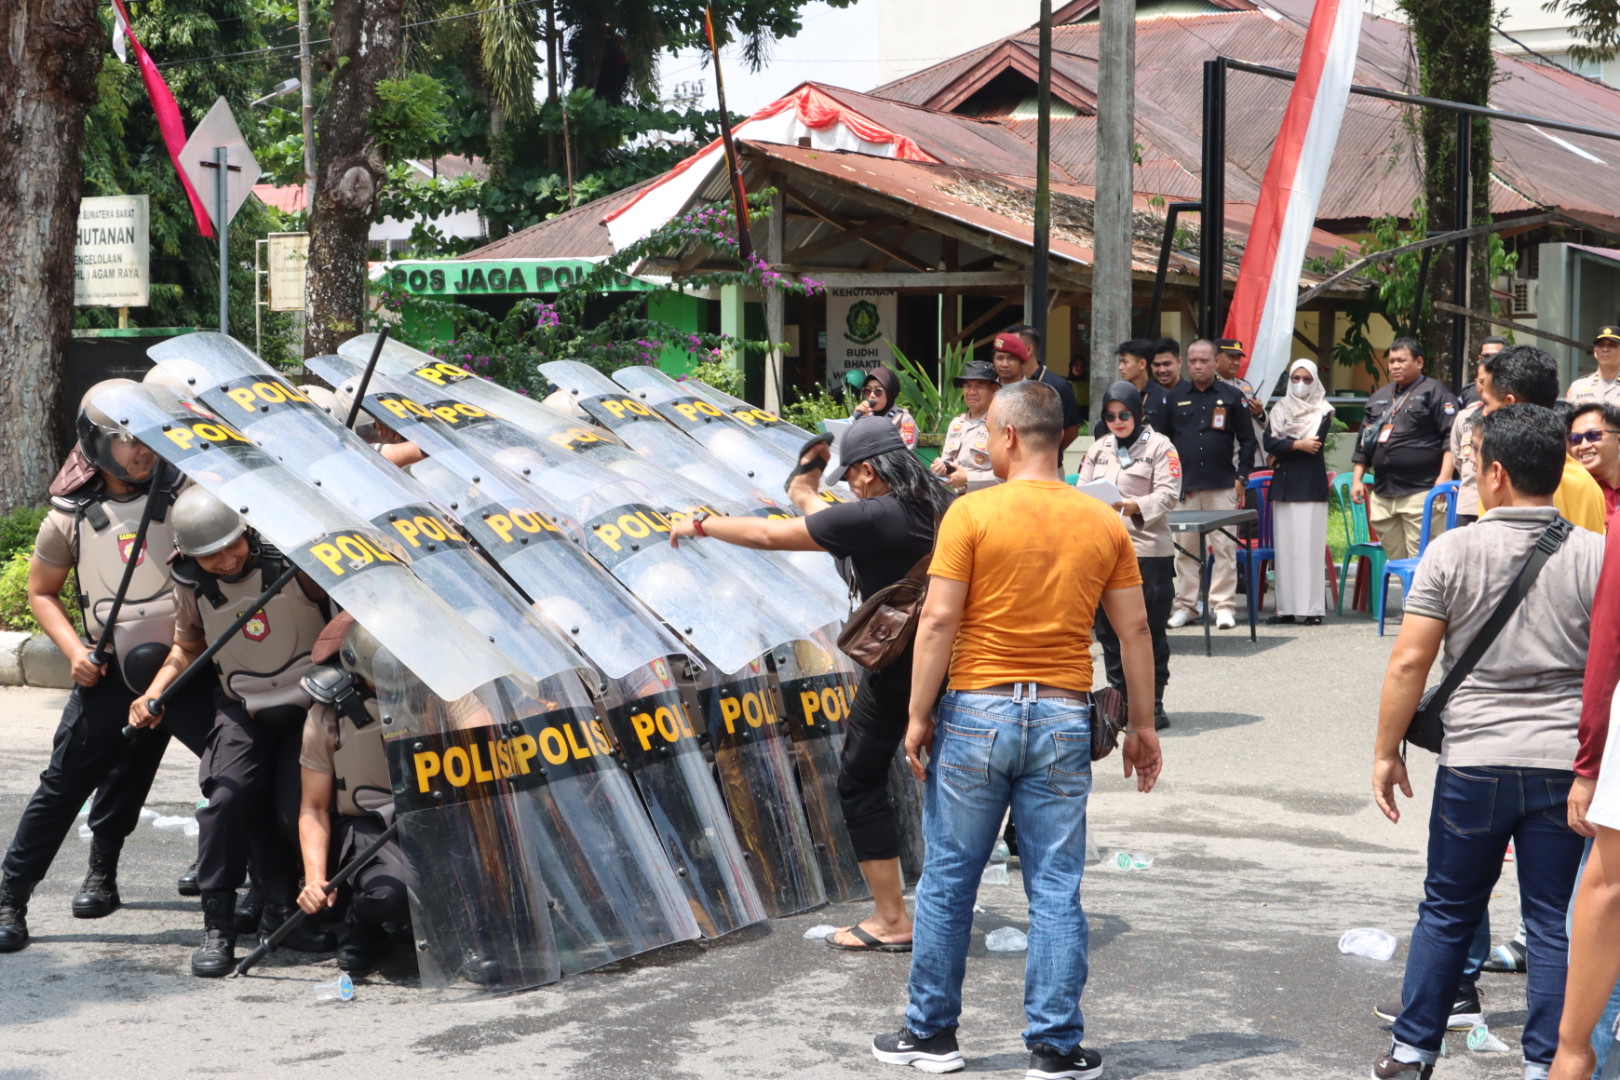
<point x="716" y="372"/>
<point x="811" y="409"/>
<point x="933" y="402"/>
<point x="409" y="120"/>
<point x="1597" y="25"/>
<point x="14" y="611"/>
<point x="18" y="530"/>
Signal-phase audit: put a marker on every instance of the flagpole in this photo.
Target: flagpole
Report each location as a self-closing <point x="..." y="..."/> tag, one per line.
<point x="739" y="193"/>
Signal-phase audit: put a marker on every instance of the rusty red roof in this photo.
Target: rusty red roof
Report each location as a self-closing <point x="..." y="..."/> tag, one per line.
<point x="573" y="234"/>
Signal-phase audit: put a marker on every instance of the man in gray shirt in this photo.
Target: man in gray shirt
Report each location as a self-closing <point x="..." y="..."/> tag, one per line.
<point x="1510" y="735"/>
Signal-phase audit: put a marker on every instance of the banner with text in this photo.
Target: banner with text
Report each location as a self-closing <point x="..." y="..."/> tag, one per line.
<point x="860" y="324"/>
<point x="288" y="258"/>
<point x="112" y="255"/>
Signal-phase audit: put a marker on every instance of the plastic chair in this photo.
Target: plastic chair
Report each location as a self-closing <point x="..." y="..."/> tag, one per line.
<point x="1359" y="540"/>
<point x="1072" y="479"/>
<point x="1406" y="569"/>
<point x="1327" y="556"/>
<point x="1255" y="552"/>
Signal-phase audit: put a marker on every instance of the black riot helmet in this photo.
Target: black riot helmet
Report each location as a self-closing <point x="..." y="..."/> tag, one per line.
<point x="97" y="433"/>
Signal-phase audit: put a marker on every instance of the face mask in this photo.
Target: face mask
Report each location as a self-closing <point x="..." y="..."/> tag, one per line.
<point x="1300" y="390"/>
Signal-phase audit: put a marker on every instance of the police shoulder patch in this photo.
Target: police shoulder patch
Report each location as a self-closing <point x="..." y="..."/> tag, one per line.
<point x="1450" y="407"/>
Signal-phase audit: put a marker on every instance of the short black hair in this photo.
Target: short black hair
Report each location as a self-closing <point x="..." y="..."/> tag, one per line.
<point x="1139" y="347"/>
<point x="1610" y="413"/>
<point x="1027" y="331"/>
<point x="1528" y="441"/>
<point x="1409" y="345"/>
<point x="1526" y="372"/>
<point x="1167" y="345"/>
<point x="1494" y="340"/>
<point x="1566" y="412"/>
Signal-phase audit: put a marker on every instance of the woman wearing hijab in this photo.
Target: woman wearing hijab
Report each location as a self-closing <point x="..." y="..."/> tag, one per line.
<point x="1144" y="466"/>
<point x="878" y="396"/>
<point x="1299" y="494"/>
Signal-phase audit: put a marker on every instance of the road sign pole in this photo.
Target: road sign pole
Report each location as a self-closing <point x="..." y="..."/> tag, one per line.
<point x="222" y="219"/>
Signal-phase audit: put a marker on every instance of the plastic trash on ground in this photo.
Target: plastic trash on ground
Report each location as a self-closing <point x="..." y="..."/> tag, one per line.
<point x="167" y="821"/>
<point x="1482" y="1041"/>
<point x="1372" y="943"/>
<point x="1001" y="852"/>
<point x="148" y="814"/>
<point x="1007" y="939"/>
<point x="818" y="932"/>
<point x="339" y="989"/>
<point x="996" y="874"/>
<point x="190" y="828"/>
<point x="1124" y="860"/>
<point x="1093" y="853"/>
<point x="84" y="831"/>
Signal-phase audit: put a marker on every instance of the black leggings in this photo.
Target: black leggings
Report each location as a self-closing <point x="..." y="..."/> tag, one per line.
<point x="876" y="727"/>
<point x="1158" y="594"/>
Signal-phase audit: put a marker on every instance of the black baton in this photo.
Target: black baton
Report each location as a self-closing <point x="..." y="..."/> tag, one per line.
<point x="365" y="378"/>
<point x="153" y="502"/>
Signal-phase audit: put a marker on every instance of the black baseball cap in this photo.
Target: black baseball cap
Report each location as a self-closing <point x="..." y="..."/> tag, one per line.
<point x="863" y="440"/>
<point x="982" y="370"/>
<point x="1606" y="333"/>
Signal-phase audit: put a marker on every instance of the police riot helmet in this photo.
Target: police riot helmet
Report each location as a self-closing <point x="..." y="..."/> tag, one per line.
<point x="358" y="653"/>
<point x="323" y="398"/>
<point x="97" y="431"/>
<point x="158" y="375"/>
<point x="203" y="525"/>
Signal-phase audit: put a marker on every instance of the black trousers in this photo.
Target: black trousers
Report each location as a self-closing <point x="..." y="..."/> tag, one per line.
<point x="377" y="892"/>
<point x="1158" y="594"/>
<point x="250" y="778"/>
<point x="90" y="754"/>
<point x="875" y="729"/>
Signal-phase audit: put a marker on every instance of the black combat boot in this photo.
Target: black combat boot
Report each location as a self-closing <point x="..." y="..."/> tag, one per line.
<point x="186" y="884"/>
<point x="278" y="908"/>
<point x="216" y="956"/>
<point x="365" y="946"/>
<point x="98" y="896"/>
<point x="250" y="907"/>
<point x="14" y="896"/>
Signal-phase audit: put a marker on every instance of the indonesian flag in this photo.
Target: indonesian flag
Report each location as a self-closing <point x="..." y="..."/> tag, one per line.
<point x="1263" y="305"/>
<point x="168" y="113"/>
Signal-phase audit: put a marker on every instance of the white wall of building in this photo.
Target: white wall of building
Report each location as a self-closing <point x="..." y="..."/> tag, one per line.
<point x="1525" y="25"/>
<point x="914" y="34"/>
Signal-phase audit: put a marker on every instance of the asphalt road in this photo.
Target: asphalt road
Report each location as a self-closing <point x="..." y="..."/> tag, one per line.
<point x="1218" y="962"/>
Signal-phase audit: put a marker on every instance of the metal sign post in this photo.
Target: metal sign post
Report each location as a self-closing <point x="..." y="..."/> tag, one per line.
<point x="208" y="157"/>
<point x="222" y="213"/>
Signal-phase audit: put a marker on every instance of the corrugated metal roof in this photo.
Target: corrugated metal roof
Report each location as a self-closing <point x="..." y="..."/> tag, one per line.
<point x="577" y="233"/>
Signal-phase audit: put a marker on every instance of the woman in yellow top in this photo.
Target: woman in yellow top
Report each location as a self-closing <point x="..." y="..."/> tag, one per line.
<point x="1143" y="465"/>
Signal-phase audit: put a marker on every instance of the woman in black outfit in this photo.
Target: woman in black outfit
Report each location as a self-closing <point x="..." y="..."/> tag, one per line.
<point x="1295" y="435"/>
<point x="877" y="539"/>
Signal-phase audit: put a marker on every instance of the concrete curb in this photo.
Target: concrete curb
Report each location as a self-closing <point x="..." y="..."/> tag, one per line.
<point x="32" y="660"/>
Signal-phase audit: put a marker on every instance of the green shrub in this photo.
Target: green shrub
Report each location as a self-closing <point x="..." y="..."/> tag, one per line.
<point x="15" y="613"/>
<point x="18" y="529"/>
<point x="811" y="409"/>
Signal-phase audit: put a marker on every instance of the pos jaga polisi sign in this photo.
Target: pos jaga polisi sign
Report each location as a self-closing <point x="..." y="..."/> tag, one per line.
<point x="112" y="254"/>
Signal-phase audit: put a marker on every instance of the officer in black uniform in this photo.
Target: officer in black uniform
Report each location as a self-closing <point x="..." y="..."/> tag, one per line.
<point x="250" y="770"/>
<point x="348" y="796"/>
<point x="97" y="503"/>
<point x="1209" y="419"/>
<point x="1405" y="441"/>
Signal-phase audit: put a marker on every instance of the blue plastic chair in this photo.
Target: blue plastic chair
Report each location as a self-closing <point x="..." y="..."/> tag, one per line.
<point x="1255" y="553"/>
<point x="1406" y="569"/>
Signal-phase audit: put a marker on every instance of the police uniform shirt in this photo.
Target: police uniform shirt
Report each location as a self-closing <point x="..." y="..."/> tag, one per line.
<point x="967" y="446"/>
<point x="1206" y="425"/>
<point x="1594" y="388"/>
<point x="318" y="753"/>
<point x="1404" y="436"/>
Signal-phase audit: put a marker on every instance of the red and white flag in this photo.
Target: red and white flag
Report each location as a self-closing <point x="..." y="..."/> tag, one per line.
<point x="1264" y="302"/>
<point x="170" y="123"/>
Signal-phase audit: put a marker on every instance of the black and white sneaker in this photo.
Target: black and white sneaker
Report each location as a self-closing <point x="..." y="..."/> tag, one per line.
<point x="935" y="1054"/>
<point x="1047" y="1062"/>
<point x="1466" y="1011"/>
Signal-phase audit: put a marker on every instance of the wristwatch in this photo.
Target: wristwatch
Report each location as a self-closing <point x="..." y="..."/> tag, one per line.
<point x="697" y="523"/>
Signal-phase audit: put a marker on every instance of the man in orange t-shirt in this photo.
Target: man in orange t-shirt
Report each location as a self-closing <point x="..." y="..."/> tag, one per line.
<point x="1018" y="572"/>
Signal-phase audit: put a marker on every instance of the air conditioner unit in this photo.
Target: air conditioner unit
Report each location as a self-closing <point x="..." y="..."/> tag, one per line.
<point x="1524" y="296"/>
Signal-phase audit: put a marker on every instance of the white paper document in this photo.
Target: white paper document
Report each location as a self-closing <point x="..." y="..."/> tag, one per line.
<point x="1101" y="489"/>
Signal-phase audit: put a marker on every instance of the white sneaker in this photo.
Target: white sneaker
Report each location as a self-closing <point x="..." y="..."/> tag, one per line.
<point x="1225" y="620"/>
<point x="1179" y="618"/>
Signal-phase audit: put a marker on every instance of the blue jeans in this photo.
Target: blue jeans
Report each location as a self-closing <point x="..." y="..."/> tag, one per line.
<point x="1476" y="812"/>
<point x="989" y="751"/>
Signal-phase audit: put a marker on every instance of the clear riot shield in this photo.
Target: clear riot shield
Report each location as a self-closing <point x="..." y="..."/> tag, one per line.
<point x="817" y="685"/>
<point x="907" y="796"/>
<point x="528" y="780"/>
<point x="365" y="571"/>
<point x="753" y="758"/>
<point x="789" y="437"/>
<point x="763" y="462"/>
<point x="661" y="744"/>
<point x="236" y="384"/>
<point x="531" y="538"/>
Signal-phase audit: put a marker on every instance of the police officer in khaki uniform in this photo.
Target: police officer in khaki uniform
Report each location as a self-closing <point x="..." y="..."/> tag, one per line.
<point x="97" y="502"/>
<point x="348" y="795"/>
<point x="965" y="459"/>
<point x="1405" y="441"/>
<point x="1603" y="385"/>
<point x="250" y="771"/>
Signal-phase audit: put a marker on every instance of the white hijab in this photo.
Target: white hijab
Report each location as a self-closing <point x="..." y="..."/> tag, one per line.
<point x="1299" y="415"/>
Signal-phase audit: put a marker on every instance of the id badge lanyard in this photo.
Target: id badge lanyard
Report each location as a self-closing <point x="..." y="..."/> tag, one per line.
<point x="1388" y="427"/>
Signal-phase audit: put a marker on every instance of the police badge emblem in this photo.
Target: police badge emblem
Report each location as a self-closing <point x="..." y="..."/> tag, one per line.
<point x="258" y="627"/>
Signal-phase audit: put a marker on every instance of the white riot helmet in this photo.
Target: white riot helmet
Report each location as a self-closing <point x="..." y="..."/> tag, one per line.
<point x="158" y="375"/>
<point x="358" y="653"/>
<point x="203" y="525"/>
<point x="97" y="432"/>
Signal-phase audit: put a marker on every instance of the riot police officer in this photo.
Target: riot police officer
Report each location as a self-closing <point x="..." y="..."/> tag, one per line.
<point x="97" y="502"/>
<point x="250" y="769"/>
<point x="348" y="797"/>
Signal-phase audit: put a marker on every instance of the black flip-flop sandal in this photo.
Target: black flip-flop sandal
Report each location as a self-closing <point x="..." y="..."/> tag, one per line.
<point x="813" y="465"/>
<point x="868" y="943"/>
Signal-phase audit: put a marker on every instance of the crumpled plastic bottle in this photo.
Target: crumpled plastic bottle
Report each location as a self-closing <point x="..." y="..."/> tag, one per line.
<point x="1369" y="942"/>
<point x="1007" y="939"/>
<point x="1482" y="1041"/>
<point x="996" y="874"/>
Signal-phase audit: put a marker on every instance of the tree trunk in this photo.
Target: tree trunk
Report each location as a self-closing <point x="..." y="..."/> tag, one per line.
<point x="50" y="51"/>
<point x="1453" y="43"/>
<point x="365" y="47"/>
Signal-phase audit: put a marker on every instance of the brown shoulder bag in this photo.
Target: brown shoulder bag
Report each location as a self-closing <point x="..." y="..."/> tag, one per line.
<point x="882" y="628"/>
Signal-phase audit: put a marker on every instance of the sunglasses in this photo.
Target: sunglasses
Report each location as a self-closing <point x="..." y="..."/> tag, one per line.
<point x="1578" y="437"/>
<point x="1117" y="417"/>
<point x="872" y="391"/>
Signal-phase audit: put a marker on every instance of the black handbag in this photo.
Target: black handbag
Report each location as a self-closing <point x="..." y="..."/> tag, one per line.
<point x="1427" y="730"/>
